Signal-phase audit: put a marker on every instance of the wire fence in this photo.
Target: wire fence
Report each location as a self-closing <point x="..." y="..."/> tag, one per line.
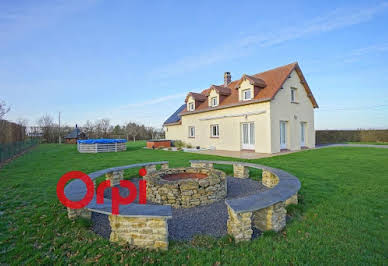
<point x="9" y="150"/>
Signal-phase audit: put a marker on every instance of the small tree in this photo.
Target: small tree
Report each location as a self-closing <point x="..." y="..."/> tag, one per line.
<point x="46" y="123"/>
<point x="132" y="130"/>
<point x="4" y="109"/>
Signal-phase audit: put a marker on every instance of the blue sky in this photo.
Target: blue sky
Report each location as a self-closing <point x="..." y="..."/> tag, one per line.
<point x="136" y="60"/>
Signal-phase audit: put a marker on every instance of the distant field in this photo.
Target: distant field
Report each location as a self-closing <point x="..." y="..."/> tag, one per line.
<point x="341" y="219"/>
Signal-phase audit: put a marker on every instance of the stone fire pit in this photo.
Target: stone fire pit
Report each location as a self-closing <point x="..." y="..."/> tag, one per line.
<point x="186" y="187"/>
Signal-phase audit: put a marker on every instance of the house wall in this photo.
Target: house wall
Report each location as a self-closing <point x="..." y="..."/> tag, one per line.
<point x="294" y="113"/>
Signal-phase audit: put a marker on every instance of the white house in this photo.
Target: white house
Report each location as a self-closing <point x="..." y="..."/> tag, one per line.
<point x="267" y="112"/>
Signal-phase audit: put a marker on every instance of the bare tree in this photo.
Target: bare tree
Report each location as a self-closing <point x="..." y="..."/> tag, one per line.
<point x="132" y="130"/>
<point x="46" y="123"/>
<point x="88" y="128"/>
<point x="105" y="126"/>
<point x="4" y="109"/>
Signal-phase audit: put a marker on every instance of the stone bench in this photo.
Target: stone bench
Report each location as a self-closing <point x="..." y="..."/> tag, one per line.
<point x="141" y="225"/>
<point x="264" y="210"/>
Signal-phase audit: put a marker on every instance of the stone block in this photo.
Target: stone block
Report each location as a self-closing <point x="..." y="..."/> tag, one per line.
<point x="269" y="179"/>
<point x="240" y="171"/>
<point x="150" y="233"/>
<point x="292" y="200"/>
<point x="270" y="218"/>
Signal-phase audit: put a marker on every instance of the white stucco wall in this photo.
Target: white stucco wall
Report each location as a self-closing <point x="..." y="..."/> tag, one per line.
<point x="229" y="128"/>
<point x="294" y="113"/>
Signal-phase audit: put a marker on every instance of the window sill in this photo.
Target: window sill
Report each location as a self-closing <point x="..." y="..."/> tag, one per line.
<point x="191" y="137"/>
<point x="295" y="102"/>
<point x="214" y="137"/>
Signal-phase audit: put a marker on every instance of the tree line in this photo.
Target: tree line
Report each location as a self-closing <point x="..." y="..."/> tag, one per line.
<point x="101" y="128"/>
<point x="47" y="128"/>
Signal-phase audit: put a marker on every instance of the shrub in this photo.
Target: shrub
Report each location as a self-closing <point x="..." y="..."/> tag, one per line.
<point x="179" y="144"/>
<point x="189" y="146"/>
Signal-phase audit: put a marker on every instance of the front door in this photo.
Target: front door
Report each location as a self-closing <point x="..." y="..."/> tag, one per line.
<point x="248" y="136"/>
<point x="283" y="134"/>
<point x="302" y="134"/>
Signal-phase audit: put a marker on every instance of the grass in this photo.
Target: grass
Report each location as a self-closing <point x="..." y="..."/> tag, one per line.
<point x="366" y="142"/>
<point x="341" y="219"/>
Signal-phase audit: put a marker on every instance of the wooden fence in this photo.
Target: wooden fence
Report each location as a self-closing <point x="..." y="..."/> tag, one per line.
<point x="11" y="132"/>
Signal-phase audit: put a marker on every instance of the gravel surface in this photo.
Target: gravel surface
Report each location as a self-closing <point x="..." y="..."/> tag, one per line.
<point x="188" y="222"/>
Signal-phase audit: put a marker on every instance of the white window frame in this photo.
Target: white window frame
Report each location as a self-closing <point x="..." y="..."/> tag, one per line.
<point x="243" y="94"/>
<point x="191" y="106"/>
<point x="213" y="101"/>
<point x="191" y="132"/>
<point x="293" y="95"/>
<point x="217" y="131"/>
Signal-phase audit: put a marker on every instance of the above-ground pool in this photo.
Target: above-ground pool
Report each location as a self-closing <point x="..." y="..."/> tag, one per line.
<point x="101" y="145"/>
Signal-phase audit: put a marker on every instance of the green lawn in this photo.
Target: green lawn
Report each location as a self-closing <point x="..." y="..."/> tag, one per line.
<point x="342" y="217"/>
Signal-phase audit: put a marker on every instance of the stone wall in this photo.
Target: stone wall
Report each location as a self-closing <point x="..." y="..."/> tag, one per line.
<point x="239" y="225"/>
<point x="143" y="232"/>
<point x="185" y="193"/>
<point x="240" y="171"/>
<point x="115" y="177"/>
<point x="270" y="218"/>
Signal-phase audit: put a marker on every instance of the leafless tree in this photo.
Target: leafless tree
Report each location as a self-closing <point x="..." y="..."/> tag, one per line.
<point x="46" y="123"/>
<point x="105" y="126"/>
<point x="88" y="128"/>
<point x="4" y="109"/>
<point x="132" y="130"/>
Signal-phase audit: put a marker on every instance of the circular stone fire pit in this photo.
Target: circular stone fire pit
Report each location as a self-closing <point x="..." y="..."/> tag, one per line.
<point x="186" y="187"/>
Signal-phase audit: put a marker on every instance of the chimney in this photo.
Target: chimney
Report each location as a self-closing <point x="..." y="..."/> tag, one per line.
<point x="227" y="79"/>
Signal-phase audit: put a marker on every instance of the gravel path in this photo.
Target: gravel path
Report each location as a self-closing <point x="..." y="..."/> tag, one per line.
<point x="186" y="223"/>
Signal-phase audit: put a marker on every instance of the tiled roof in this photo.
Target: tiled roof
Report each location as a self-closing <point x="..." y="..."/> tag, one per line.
<point x="269" y="83"/>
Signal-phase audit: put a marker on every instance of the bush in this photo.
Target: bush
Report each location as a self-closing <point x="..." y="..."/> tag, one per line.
<point x="189" y="146"/>
<point x="179" y="144"/>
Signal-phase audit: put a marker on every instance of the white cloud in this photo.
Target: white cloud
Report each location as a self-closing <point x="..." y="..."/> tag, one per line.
<point x="337" y="19"/>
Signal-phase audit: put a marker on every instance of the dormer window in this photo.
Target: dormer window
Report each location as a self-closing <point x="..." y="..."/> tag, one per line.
<point x="214" y="101"/>
<point x="247" y="95"/>
<point x="191" y="106"/>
